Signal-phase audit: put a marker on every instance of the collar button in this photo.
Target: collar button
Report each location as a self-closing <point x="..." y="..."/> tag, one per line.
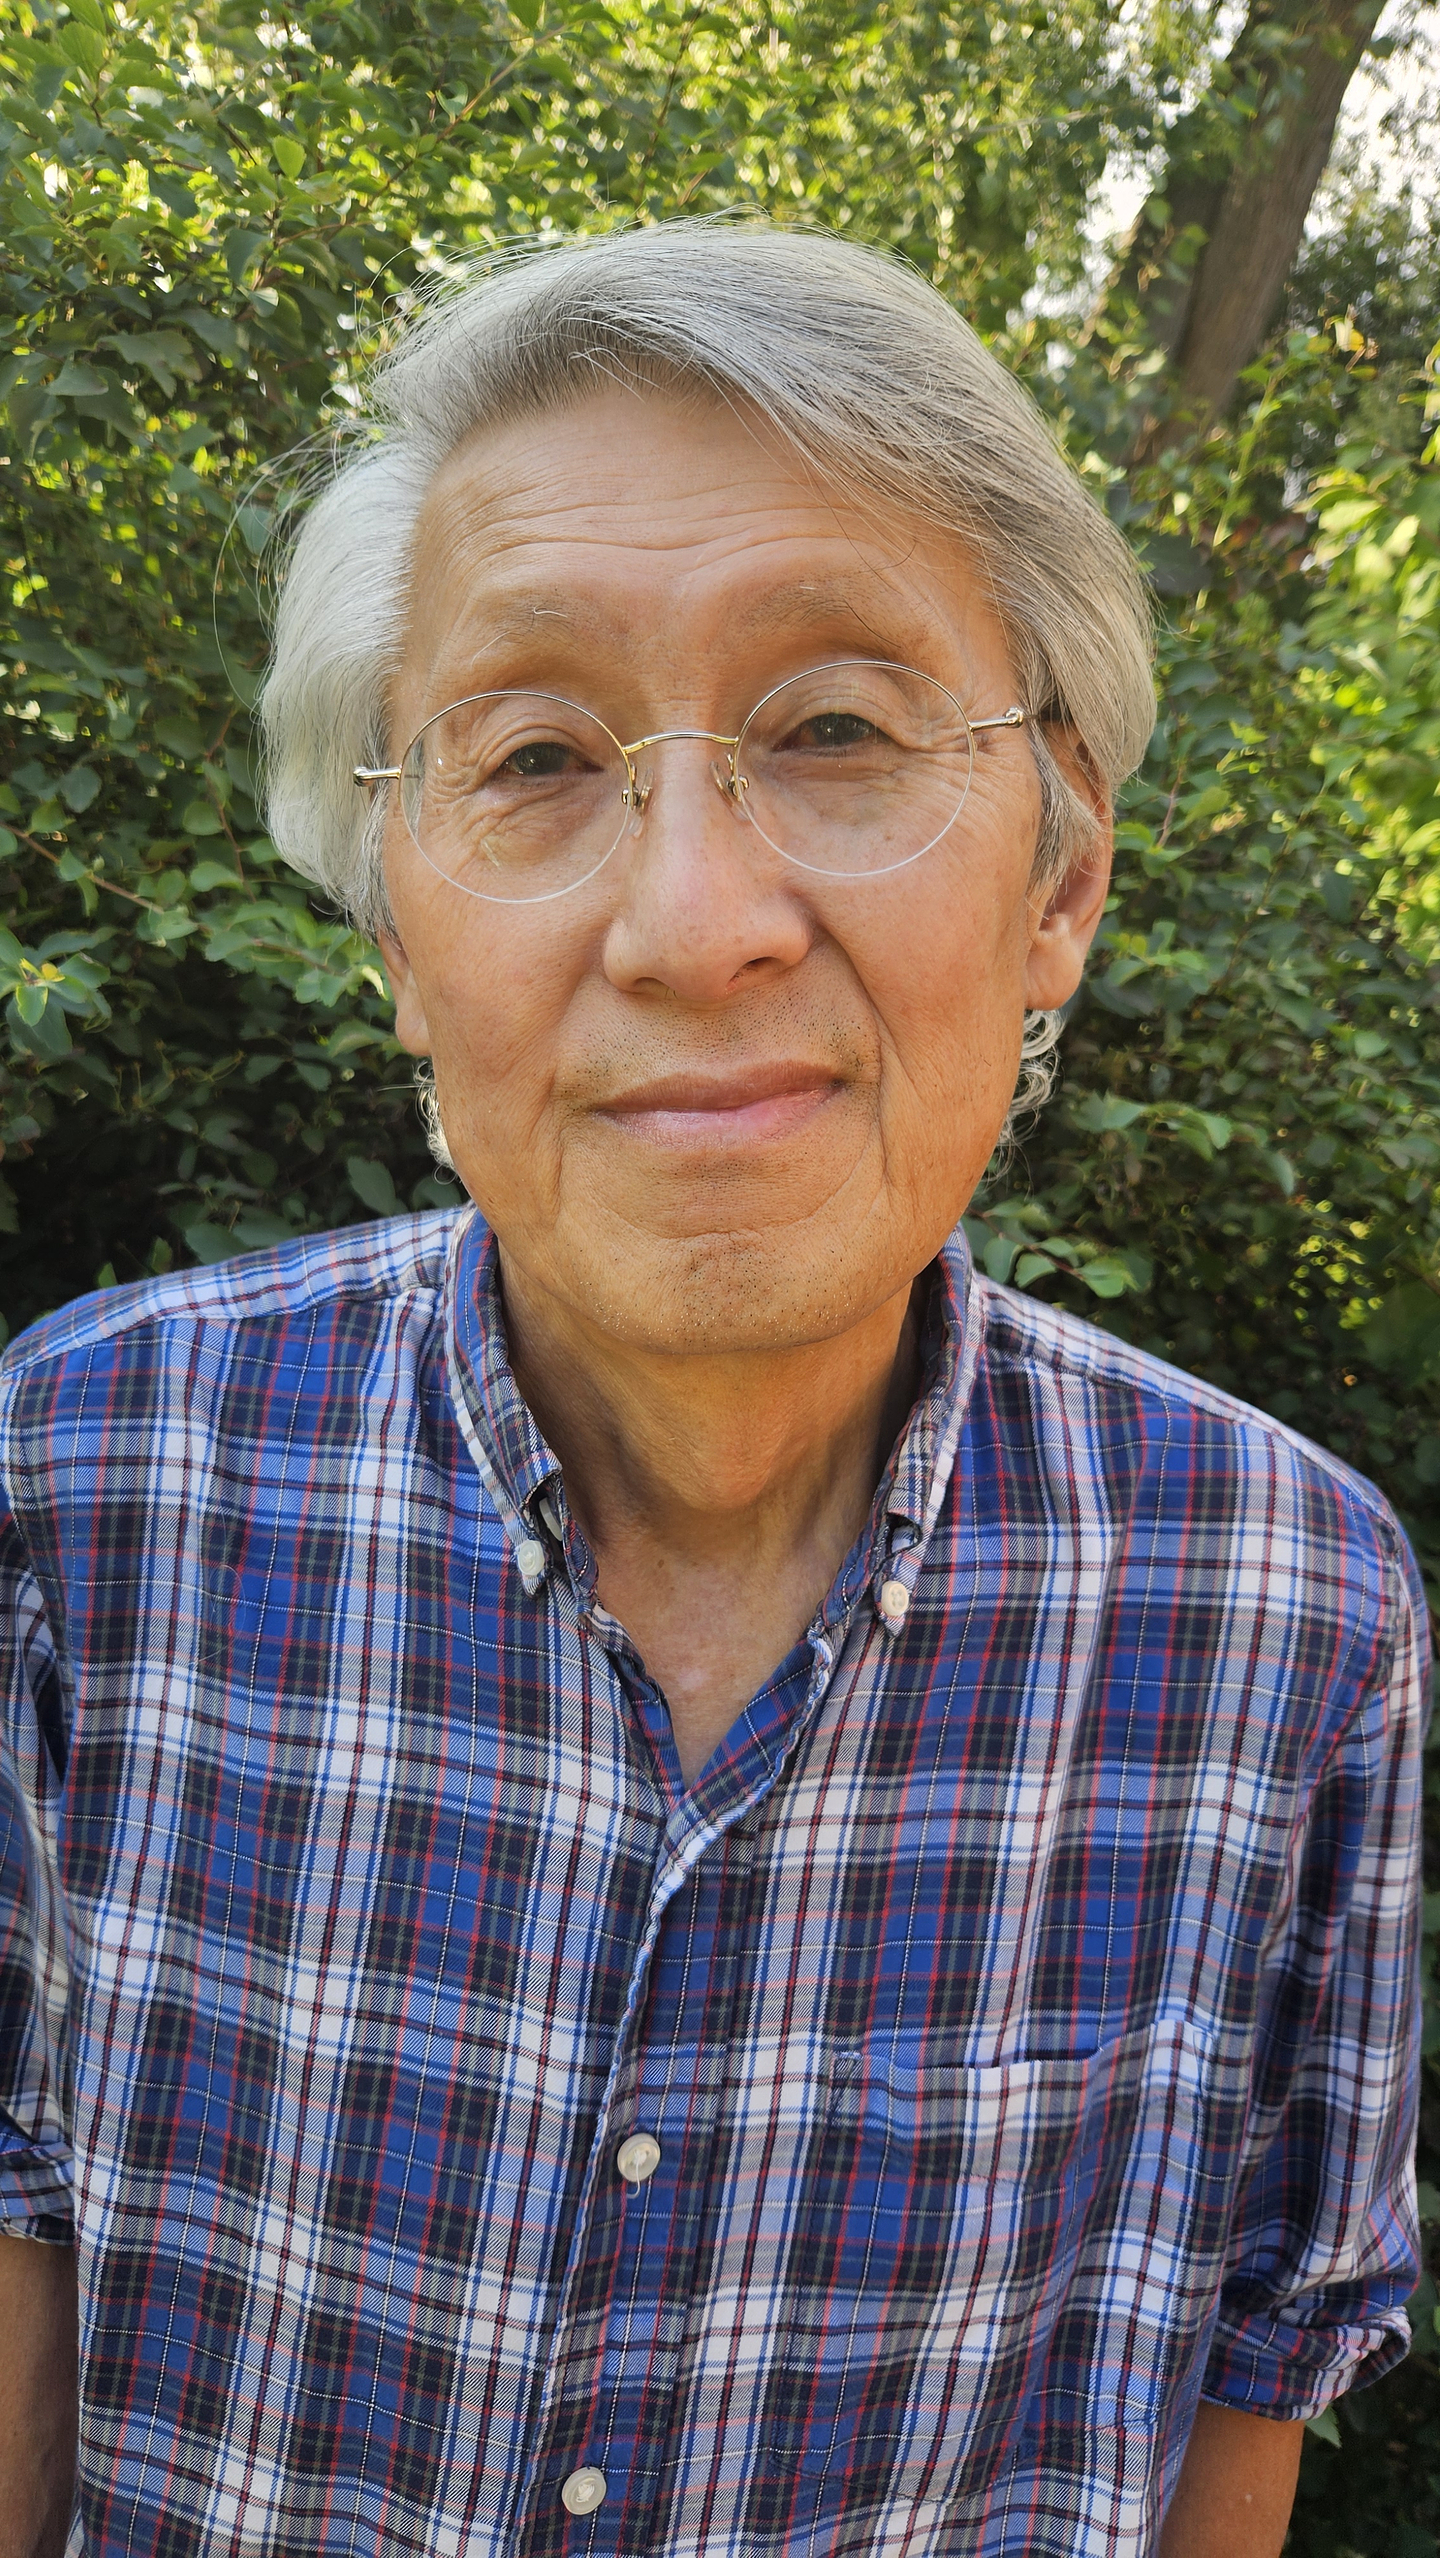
<point x="894" y="1604"/>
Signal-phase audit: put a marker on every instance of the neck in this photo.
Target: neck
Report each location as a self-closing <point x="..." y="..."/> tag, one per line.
<point x="713" y="1452"/>
<point x="718" y="1494"/>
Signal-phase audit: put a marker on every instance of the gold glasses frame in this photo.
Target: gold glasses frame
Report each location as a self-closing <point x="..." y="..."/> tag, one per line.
<point x="639" y="788"/>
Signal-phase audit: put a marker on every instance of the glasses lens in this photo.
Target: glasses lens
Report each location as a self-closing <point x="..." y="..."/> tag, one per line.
<point x="855" y="768"/>
<point x="514" y="797"/>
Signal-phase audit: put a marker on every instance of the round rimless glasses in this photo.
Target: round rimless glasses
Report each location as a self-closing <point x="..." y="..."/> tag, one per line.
<point x="851" y="770"/>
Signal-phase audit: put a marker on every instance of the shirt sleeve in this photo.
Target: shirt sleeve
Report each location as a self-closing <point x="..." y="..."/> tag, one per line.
<point x="1325" y="2245"/>
<point x="36" y="2161"/>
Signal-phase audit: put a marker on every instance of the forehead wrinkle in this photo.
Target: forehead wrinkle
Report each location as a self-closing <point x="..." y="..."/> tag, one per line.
<point x="503" y="617"/>
<point x="816" y="600"/>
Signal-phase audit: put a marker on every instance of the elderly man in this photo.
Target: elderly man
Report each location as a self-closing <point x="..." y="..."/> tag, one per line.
<point x="677" y="1880"/>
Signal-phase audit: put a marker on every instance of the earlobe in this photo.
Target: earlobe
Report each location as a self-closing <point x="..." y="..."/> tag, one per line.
<point x="1067" y="925"/>
<point x="411" y="1028"/>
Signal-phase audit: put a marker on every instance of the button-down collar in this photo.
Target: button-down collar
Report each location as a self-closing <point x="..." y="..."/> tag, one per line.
<point x="525" y="1476"/>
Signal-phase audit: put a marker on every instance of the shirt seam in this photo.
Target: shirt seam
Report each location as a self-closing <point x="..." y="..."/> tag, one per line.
<point x="399" y="1284"/>
<point x="1033" y="1343"/>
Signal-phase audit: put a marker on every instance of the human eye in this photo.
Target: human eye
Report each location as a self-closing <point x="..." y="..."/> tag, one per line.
<point x="830" y="732"/>
<point x="541" y="759"/>
<point x="507" y="748"/>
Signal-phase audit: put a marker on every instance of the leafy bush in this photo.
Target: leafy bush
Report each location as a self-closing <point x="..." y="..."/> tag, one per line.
<point x="208" y="223"/>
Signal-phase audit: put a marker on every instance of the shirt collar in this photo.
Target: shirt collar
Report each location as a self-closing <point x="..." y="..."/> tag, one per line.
<point x="517" y="1464"/>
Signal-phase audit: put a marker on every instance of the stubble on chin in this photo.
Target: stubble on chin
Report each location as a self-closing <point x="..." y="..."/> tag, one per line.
<point x="721" y="1294"/>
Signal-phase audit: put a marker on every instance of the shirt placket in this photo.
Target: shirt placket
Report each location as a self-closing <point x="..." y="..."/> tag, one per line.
<point x="610" y="2382"/>
<point x="603" y="2423"/>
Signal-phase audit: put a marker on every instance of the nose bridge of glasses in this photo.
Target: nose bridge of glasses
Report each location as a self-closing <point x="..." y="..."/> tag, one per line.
<point x="640" y="786"/>
<point x="662" y="737"/>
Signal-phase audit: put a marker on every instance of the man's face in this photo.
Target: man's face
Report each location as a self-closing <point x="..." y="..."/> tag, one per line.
<point x="708" y="1100"/>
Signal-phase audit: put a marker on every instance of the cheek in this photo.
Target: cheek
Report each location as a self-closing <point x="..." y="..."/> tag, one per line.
<point x="950" y="990"/>
<point x="494" y="998"/>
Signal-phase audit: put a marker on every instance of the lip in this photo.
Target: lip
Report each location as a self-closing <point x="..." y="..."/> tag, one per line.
<point x="752" y="1106"/>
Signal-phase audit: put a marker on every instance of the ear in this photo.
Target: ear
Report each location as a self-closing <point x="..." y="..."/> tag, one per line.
<point x="1066" y="918"/>
<point x="411" y="1028"/>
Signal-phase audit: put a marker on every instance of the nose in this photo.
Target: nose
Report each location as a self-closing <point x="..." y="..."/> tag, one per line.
<point x="704" y="905"/>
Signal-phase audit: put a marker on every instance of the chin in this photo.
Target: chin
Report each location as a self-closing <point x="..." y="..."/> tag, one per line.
<point x="720" y="1294"/>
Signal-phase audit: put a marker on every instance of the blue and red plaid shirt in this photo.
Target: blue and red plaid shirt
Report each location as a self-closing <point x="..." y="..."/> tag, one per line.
<point x="1018" y="2010"/>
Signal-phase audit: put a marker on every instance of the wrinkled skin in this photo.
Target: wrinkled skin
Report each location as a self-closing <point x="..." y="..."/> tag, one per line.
<point x="659" y="564"/>
<point x="719" y="1111"/>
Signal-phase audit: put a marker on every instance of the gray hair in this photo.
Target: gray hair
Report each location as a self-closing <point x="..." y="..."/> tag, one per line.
<point x="869" y="377"/>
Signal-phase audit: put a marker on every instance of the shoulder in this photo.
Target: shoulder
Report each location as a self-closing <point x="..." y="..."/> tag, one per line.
<point x="360" y="1274"/>
<point x="1243" y="1490"/>
<point x="1024" y="1335"/>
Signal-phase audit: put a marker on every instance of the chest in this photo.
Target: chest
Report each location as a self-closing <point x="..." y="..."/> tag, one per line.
<point x="336" y="1758"/>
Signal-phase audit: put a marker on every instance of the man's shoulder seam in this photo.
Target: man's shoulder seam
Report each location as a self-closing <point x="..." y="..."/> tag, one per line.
<point x="1026" y="1331"/>
<point x="343" y="1264"/>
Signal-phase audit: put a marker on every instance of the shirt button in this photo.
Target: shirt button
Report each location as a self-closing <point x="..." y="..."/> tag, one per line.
<point x="894" y="1602"/>
<point x="530" y="1555"/>
<point x="583" y="2490"/>
<point x="638" y="2157"/>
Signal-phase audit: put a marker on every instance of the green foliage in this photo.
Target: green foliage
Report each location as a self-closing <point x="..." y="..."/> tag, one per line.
<point x="207" y="220"/>
<point x="209" y="223"/>
<point x="1252" y="1081"/>
<point x="1253" y="1068"/>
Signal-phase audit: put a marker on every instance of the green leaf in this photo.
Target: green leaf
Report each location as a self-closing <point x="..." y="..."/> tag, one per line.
<point x="80" y="787"/>
<point x="1346" y="514"/>
<point x="256" y="523"/>
<point x="213" y="330"/>
<point x="79" y="381"/>
<point x="1324" y="2427"/>
<point x="288" y="155"/>
<point x="1173" y="564"/>
<point x="80" y="45"/>
<point x="210" y="1243"/>
<point x="1114" y="1274"/>
<point x="1102" y="1112"/>
<point x="371" y="1182"/>
<point x="44" y="1034"/>
<point x="165" y="354"/>
<point x="1031" y="1266"/>
<point x="256" y="1230"/>
<point x="243" y="251"/>
<point x="174" y="193"/>
<point x="46" y="83"/>
<point x="165" y="928"/>
<point x="1205" y="1132"/>
<point x="1206" y="804"/>
<point x="999" y="1257"/>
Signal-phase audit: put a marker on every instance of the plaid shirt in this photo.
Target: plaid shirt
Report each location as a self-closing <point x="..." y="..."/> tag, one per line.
<point x="1018" y="2009"/>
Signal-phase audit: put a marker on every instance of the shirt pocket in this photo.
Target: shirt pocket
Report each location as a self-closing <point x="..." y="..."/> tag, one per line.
<point x="954" y="2223"/>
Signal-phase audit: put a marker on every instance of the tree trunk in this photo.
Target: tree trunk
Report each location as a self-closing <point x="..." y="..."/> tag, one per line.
<point x="1241" y="173"/>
